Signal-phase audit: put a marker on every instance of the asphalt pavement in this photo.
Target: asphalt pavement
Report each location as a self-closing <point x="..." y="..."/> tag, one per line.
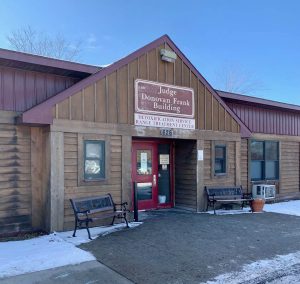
<point x="178" y="247"/>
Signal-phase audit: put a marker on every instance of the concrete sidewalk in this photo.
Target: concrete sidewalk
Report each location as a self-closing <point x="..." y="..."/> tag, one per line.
<point x="87" y="272"/>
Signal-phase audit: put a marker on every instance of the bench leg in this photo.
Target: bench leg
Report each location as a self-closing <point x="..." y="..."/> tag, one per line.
<point x="214" y="204"/>
<point x="75" y="229"/>
<point x="88" y="230"/>
<point x="113" y="220"/>
<point x="126" y="220"/>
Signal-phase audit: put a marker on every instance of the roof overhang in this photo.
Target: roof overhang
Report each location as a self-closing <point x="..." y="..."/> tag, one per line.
<point x="25" y="61"/>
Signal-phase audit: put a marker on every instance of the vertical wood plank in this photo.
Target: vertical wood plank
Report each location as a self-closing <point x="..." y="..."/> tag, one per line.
<point x="208" y="110"/>
<point x="123" y="95"/>
<point x="63" y="110"/>
<point x="143" y="67"/>
<point x="238" y="163"/>
<point x="185" y="75"/>
<point x="101" y="101"/>
<point x="194" y="86"/>
<point x="201" y="105"/>
<point x="178" y="66"/>
<point x="57" y="181"/>
<point x="152" y="61"/>
<point x="126" y="170"/>
<point x="112" y="95"/>
<point x="161" y="66"/>
<point x="131" y="80"/>
<point x="37" y="178"/>
<point x="76" y="107"/>
<point x="215" y="115"/>
<point x="200" y="179"/>
<point x="89" y="103"/>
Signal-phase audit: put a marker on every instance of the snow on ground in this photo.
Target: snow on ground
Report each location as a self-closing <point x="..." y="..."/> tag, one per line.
<point x="289" y="207"/>
<point x="262" y="270"/>
<point x="230" y="212"/>
<point x="50" y="251"/>
<point x="269" y="270"/>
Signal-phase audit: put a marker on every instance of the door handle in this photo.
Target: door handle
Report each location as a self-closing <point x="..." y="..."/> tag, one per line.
<point x="154" y="180"/>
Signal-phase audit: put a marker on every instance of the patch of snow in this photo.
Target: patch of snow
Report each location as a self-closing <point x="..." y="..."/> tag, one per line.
<point x="82" y="235"/>
<point x="50" y="251"/>
<point x="230" y="212"/>
<point x="260" y="271"/>
<point x="289" y="207"/>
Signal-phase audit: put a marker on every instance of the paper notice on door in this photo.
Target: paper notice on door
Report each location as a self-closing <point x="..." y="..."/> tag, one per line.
<point x="164" y="159"/>
<point x="200" y="155"/>
<point x="143" y="162"/>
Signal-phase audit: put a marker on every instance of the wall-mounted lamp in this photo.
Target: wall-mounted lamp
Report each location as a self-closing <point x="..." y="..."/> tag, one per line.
<point x="168" y="55"/>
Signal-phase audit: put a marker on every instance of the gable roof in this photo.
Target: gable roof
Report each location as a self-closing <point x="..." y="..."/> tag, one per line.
<point x="42" y="113"/>
<point x="32" y="62"/>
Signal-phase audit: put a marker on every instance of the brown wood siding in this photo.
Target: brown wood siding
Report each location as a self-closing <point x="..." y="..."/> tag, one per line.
<point x="74" y="190"/>
<point x="186" y="174"/>
<point x="244" y="165"/>
<point x="21" y="90"/>
<point x="289" y="167"/>
<point x="113" y="98"/>
<point x="209" y="178"/>
<point x="15" y="178"/>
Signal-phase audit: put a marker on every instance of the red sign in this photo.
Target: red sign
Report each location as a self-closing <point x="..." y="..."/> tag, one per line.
<point x="161" y="99"/>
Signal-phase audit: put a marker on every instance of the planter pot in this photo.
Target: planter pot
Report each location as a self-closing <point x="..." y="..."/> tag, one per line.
<point x="257" y="205"/>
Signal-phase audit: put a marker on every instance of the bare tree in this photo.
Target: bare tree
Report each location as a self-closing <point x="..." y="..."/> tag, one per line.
<point x="235" y="79"/>
<point x="29" y="40"/>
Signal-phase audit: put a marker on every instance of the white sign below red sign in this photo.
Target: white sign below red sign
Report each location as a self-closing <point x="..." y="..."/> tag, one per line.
<point x="163" y="121"/>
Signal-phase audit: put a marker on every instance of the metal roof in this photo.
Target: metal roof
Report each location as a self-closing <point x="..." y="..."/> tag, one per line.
<point x="257" y="101"/>
<point x="26" y="61"/>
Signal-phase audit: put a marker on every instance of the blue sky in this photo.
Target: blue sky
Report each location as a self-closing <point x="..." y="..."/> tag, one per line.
<point x="260" y="38"/>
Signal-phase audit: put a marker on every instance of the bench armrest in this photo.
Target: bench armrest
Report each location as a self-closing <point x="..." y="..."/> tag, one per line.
<point x="124" y="203"/>
<point x="122" y="206"/>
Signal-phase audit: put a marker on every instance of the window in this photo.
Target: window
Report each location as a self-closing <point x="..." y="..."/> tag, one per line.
<point x="94" y="159"/>
<point x="220" y="159"/>
<point x="264" y="160"/>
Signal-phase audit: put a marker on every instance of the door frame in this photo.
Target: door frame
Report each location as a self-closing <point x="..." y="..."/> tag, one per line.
<point x="157" y="141"/>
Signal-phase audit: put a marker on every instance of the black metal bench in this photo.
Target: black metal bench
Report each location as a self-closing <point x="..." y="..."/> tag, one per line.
<point x="232" y="194"/>
<point x="89" y="209"/>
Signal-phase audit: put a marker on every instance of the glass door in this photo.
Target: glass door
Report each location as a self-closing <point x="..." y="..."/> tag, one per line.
<point x="144" y="173"/>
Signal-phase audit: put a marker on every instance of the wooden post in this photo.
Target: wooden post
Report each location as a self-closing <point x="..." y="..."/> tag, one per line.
<point x="200" y="178"/>
<point x="56" y="190"/>
<point x="126" y="170"/>
<point x="238" y="163"/>
<point x="37" y="178"/>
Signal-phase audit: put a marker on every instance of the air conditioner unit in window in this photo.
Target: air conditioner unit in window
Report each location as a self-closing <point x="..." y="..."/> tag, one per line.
<point x="264" y="191"/>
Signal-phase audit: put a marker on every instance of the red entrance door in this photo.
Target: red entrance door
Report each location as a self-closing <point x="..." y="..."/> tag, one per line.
<point x="144" y="173"/>
<point x="152" y="173"/>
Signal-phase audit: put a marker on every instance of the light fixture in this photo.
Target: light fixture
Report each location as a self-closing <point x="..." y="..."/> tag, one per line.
<point x="168" y="55"/>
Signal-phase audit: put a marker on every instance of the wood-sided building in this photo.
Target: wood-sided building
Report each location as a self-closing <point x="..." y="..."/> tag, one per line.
<point x="69" y="130"/>
<point x="25" y="81"/>
<point x="272" y="154"/>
